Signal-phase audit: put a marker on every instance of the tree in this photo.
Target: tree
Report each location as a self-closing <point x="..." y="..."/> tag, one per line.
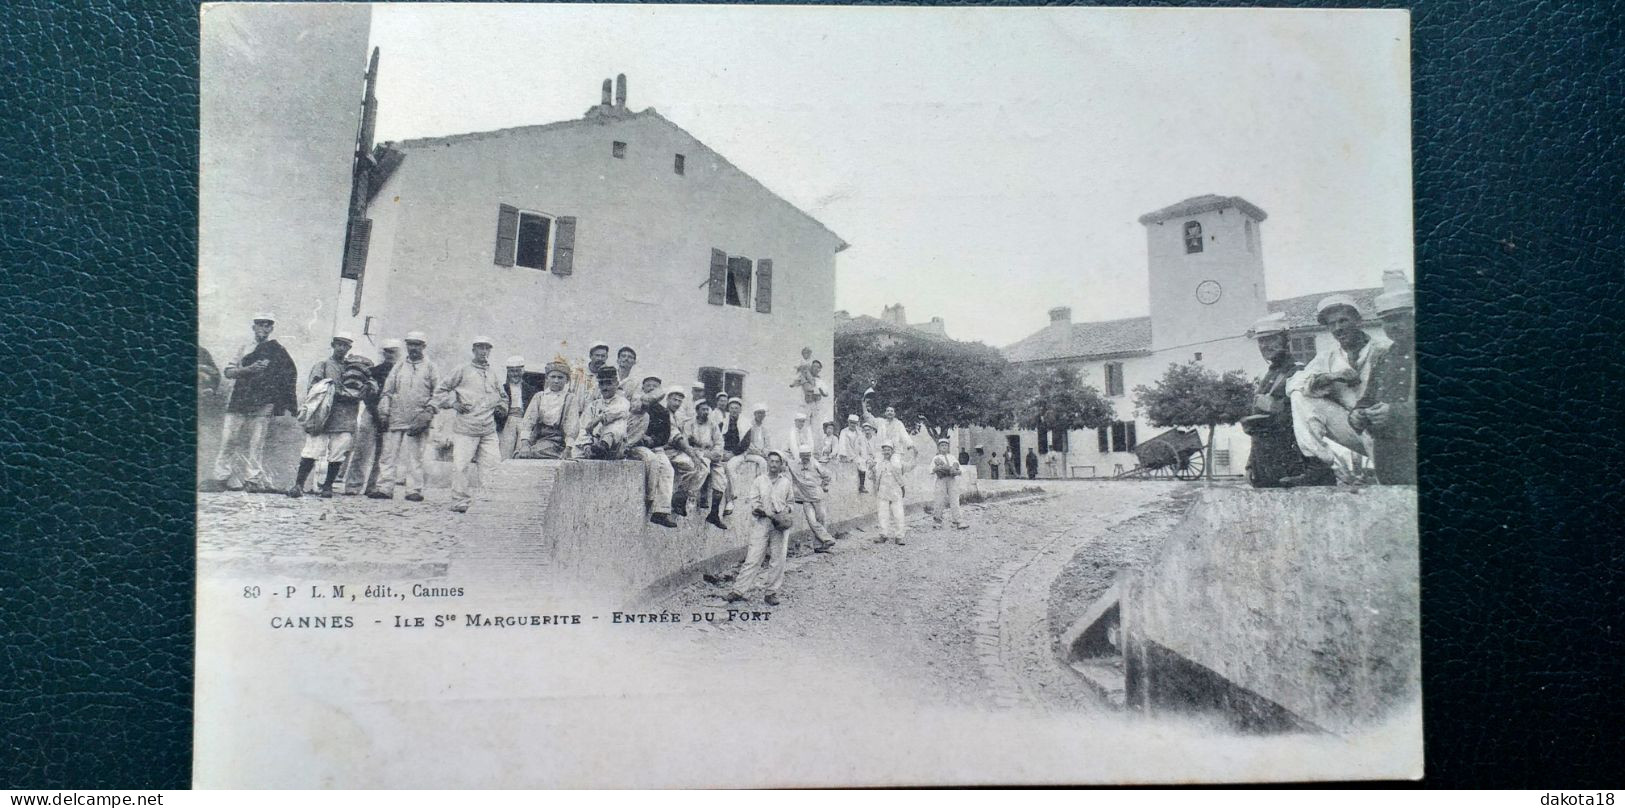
<point x="1058" y="399"/>
<point x="943" y="383"/>
<point x="1191" y="395"/>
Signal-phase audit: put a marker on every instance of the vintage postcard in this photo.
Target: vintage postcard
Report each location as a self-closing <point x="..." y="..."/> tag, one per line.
<point x="686" y="396"/>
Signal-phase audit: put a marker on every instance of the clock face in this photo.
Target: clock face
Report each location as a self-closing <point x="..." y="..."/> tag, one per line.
<point x="1207" y="292"/>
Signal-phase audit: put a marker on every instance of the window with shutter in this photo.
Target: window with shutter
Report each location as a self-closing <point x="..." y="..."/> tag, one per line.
<point x="355" y="248"/>
<point x="1132" y="441"/>
<point x="739" y="271"/>
<point x="1114" y="378"/>
<point x="564" y="246"/>
<point x="1043" y="441"/>
<point x="507" y="232"/>
<point x="530" y="248"/>
<point x="764" y="286"/>
<point x="1302" y="347"/>
<point x="1059" y="440"/>
<point x="734" y="383"/>
<point x="1104" y="438"/>
<point x="717" y="287"/>
<point x="1119" y="437"/>
<point x="1193" y="237"/>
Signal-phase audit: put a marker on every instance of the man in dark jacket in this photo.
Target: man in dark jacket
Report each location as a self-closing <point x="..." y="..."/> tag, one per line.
<point x="264" y="380"/>
<point x="1387" y="411"/>
<point x="353" y="382"/>
<point x="1032" y="465"/>
<point x="1275" y="460"/>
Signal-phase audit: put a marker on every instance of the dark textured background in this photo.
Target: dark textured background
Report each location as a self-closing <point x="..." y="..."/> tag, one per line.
<point x="1520" y="203"/>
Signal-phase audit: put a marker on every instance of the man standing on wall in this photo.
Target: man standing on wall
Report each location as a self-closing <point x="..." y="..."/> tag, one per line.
<point x="406" y="405"/>
<point x="474" y="391"/>
<point x="770" y="508"/>
<point x="332" y="444"/>
<point x="265" y="386"/>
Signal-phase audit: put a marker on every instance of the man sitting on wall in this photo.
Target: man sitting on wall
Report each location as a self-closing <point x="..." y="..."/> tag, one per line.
<point x="604" y="421"/>
<point x="516" y="393"/>
<point x="852" y="447"/>
<point x="1275" y="460"/>
<point x="704" y="436"/>
<point x="750" y="457"/>
<point x="550" y="416"/>
<point x="1330" y="385"/>
<point x="688" y="466"/>
<point x="648" y="431"/>
<point x="1387" y="411"/>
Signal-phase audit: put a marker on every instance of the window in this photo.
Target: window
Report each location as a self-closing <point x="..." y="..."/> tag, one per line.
<point x="677" y="164"/>
<point x="731" y="282"/>
<point x="1221" y="458"/>
<point x="1302" y="347"/>
<point x="618" y="150"/>
<point x="1057" y="440"/>
<point x="1198" y="356"/>
<point x="1119" y="437"/>
<point x="530" y="249"/>
<point x="1114" y="378"/>
<point x="1252" y="237"/>
<point x="535" y="240"/>
<point x="738" y="280"/>
<point x="718" y="380"/>
<point x="1193" y="237"/>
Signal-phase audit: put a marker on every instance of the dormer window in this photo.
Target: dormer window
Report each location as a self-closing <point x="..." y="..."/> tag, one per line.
<point x="617" y="149"/>
<point x="1193" y="237"/>
<point x="678" y="164"/>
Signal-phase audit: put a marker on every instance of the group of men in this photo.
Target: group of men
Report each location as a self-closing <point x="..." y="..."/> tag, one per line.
<point x="1348" y="415"/>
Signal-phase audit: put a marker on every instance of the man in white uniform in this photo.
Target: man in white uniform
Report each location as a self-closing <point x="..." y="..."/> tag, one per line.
<point x="1330" y="385"/>
<point x="407" y="407"/>
<point x="474" y="391"/>
<point x="770" y="507"/>
<point x="945" y="469"/>
<point x="889" y="472"/>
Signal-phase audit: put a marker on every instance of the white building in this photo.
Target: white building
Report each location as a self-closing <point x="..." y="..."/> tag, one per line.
<point x="617" y="226"/>
<point x="1205" y="271"/>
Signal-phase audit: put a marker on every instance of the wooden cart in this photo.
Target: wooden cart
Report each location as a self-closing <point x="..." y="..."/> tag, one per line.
<point x="1177" y="453"/>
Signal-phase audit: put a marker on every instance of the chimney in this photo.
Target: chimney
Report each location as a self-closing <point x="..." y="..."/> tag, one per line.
<point x="620" y="90"/>
<point x="1060" y="314"/>
<point x="605" y="98"/>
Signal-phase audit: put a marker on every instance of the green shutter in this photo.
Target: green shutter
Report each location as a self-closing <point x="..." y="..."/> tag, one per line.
<point x="764" y="285"/>
<point x="507" y="234"/>
<point x="719" y="278"/>
<point x="564" y="245"/>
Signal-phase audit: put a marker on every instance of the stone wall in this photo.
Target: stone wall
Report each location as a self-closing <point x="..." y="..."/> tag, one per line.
<point x="1304" y="599"/>
<point x="601" y="544"/>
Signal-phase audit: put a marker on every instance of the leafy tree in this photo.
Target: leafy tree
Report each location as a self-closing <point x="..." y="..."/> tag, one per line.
<point x="1191" y="395"/>
<point x="945" y="384"/>
<point x="1058" y="399"/>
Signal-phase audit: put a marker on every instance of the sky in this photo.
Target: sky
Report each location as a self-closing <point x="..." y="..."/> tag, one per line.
<point x="984" y="164"/>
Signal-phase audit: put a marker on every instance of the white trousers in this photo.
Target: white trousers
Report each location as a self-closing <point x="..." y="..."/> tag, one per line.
<point x="817" y="519"/>
<point x="465" y="449"/>
<point x="688" y="475"/>
<point x="947" y="499"/>
<point x="658" y="477"/>
<point x="401" y="462"/>
<point x="761" y="534"/>
<point x="244" y="428"/>
<point x="1322" y="429"/>
<point x="892" y="515"/>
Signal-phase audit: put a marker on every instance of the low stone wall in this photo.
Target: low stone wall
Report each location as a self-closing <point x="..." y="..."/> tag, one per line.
<point x="601" y="544"/>
<point x="1287" y="608"/>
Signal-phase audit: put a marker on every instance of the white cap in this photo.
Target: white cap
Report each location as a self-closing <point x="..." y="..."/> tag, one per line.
<point x="760" y="407"/>
<point x="394" y="344"/>
<point x="1330" y="302"/>
<point x="416" y="336"/>
<point x="674" y="389"/>
<point x="887" y="444"/>
<point x="344" y="335"/>
<point x="1270" y="324"/>
<point x="853" y="418"/>
<point x="801" y="416"/>
<point x="482" y="340"/>
<point x="1396" y="293"/>
<point x="945" y="441"/>
<point x="515" y="361"/>
<point x="596" y="345"/>
<point x="266" y="316"/>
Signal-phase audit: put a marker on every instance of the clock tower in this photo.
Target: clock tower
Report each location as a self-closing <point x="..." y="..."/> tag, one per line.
<point x="1206" y="270"/>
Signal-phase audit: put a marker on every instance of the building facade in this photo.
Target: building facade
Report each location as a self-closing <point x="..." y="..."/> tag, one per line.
<point x="1205" y="273"/>
<point x="617" y="226"/>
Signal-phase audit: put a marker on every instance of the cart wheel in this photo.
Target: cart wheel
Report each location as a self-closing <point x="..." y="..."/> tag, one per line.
<point x="1194" y="463"/>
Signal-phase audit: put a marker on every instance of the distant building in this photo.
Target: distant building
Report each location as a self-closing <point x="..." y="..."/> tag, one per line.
<point x="890" y="328"/>
<point x="1206" y="278"/>
<point x="617" y="225"/>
